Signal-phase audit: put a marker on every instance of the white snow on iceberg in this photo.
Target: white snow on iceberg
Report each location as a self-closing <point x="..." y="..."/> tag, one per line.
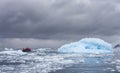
<point x="87" y="45"/>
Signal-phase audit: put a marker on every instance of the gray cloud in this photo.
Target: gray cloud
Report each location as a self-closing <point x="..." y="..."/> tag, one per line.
<point x="33" y="43"/>
<point x="58" y="20"/>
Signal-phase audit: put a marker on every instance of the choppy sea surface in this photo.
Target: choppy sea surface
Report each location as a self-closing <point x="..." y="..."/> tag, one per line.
<point x="46" y="60"/>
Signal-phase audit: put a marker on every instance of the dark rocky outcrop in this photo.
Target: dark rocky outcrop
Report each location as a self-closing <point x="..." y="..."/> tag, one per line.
<point x="117" y="46"/>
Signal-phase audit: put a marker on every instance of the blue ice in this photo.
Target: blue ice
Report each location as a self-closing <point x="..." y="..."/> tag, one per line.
<point x="87" y="45"/>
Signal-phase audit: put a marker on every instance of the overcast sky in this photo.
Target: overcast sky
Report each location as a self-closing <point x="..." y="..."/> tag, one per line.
<point x="52" y="23"/>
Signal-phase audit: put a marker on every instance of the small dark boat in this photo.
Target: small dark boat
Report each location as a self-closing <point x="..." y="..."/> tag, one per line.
<point x="26" y="50"/>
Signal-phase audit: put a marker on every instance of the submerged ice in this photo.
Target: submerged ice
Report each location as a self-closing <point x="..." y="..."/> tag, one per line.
<point x="87" y="45"/>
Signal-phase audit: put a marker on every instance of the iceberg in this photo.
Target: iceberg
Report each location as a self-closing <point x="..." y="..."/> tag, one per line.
<point x="87" y="45"/>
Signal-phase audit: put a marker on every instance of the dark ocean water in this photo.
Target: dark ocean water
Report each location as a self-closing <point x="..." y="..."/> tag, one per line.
<point x="50" y="61"/>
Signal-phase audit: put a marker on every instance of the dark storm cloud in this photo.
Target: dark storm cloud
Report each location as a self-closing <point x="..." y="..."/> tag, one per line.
<point x="59" y="19"/>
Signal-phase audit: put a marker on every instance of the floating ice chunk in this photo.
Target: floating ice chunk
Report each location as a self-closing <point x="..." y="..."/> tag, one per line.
<point x="87" y="45"/>
<point x="118" y="68"/>
<point x="8" y="49"/>
<point x="18" y="52"/>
